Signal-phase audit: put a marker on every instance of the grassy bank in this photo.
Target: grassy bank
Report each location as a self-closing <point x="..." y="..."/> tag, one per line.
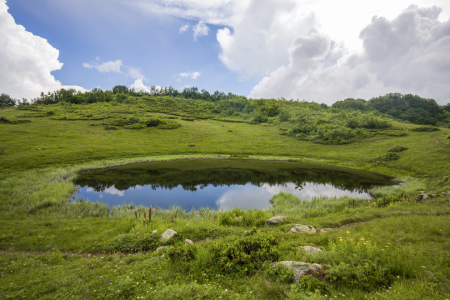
<point x="52" y="249"/>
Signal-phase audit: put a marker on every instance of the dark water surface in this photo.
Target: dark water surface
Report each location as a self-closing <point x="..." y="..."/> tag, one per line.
<point x="221" y="184"/>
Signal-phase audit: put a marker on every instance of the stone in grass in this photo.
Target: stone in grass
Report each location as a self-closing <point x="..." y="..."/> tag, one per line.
<point x="167" y="235"/>
<point x="325" y="230"/>
<point x="188" y="242"/>
<point x="299" y="268"/>
<point x="310" y="249"/>
<point x="298" y="228"/>
<point x="275" y="220"/>
<point x="422" y="197"/>
<point x="154" y="232"/>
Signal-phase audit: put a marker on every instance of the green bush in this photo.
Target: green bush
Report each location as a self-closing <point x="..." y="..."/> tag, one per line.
<point x="397" y="148"/>
<point x="387" y="157"/>
<point x="278" y="273"/>
<point x="182" y="254"/>
<point x="311" y="284"/>
<point x="361" y="264"/>
<point x="425" y="128"/>
<point x="169" y="125"/>
<point x="246" y="254"/>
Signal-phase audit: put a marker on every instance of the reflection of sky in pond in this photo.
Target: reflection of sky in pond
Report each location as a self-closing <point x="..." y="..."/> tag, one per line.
<point x="220" y="197"/>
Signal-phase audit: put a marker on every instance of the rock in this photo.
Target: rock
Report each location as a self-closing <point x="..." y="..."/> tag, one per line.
<point x="239" y="219"/>
<point x="167" y="235"/>
<point x="188" y="242"/>
<point x="311" y="249"/>
<point x="432" y="195"/>
<point x="421" y="192"/>
<point x="297" y="228"/>
<point x="299" y="268"/>
<point x="324" y="230"/>
<point x="422" y="197"/>
<point x="162" y="248"/>
<point x="275" y="220"/>
<point x="154" y="232"/>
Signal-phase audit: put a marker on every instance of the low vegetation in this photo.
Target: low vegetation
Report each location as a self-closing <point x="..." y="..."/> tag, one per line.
<point x="393" y="246"/>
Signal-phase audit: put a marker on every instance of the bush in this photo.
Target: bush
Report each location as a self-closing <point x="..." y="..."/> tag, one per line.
<point x="311" y="284"/>
<point x="387" y="157"/>
<point x="360" y="264"/>
<point x="134" y="242"/>
<point x="425" y="128"/>
<point x="278" y="273"/>
<point x="169" y="125"/>
<point x="397" y="148"/>
<point x="182" y="254"/>
<point x="246" y="255"/>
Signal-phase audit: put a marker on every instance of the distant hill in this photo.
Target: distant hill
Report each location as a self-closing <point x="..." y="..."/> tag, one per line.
<point x="411" y="108"/>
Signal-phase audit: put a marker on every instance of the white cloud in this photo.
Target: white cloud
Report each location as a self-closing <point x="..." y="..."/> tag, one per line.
<point x="223" y="12"/>
<point x="193" y="75"/>
<point x="138" y="85"/>
<point x="115" y="67"/>
<point x="26" y="60"/>
<point x="110" y="66"/>
<point x="200" y="30"/>
<point x="260" y="41"/>
<point x="184" y="28"/>
<point x="135" y="73"/>
<point x="87" y="66"/>
<point x="408" y="54"/>
<point x="114" y="191"/>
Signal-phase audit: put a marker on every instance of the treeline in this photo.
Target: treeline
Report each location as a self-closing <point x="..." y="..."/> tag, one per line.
<point x="411" y="108"/>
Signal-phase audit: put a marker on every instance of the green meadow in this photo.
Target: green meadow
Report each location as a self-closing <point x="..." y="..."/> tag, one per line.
<point x="391" y="247"/>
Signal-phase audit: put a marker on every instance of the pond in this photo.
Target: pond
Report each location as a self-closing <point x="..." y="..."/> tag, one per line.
<point x="221" y="184"/>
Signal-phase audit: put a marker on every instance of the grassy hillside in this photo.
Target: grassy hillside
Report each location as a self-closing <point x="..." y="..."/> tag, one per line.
<point x="53" y="250"/>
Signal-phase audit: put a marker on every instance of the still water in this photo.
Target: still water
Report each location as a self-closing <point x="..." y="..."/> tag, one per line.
<point x="221" y="184"/>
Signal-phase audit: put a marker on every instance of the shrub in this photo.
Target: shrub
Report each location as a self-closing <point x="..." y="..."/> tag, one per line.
<point x="387" y="157"/>
<point x="311" y="284"/>
<point x="169" y="125"/>
<point x="134" y="242"/>
<point x="278" y="273"/>
<point x="397" y="148"/>
<point x="182" y="254"/>
<point x="425" y="128"/>
<point x="358" y="263"/>
<point x="246" y="254"/>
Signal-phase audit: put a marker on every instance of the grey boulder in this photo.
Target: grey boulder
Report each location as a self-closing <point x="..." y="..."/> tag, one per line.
<point x="297" y="228"/>
<point x="167" y="235"/>
<point x="275" y="220"/>
<point x="299" y="268"/>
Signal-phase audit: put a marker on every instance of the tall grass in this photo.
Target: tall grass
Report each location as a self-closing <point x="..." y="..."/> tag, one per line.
<point x="408" y="186"/>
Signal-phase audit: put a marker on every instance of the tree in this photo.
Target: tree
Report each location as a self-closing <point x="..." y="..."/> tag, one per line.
<point x="120" y="89"/>
<point x="6" y="100"/>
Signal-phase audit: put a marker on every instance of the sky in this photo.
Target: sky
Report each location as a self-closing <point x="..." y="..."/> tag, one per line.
<point x="314" y="50"/>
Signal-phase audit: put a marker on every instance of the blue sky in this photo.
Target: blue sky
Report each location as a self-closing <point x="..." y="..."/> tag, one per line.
<point x="317" y="50"/>
<point x="149" y="42"/>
